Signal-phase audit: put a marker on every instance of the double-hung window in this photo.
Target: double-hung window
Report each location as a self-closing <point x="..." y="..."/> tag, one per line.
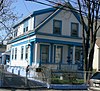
<point x="57" y="26"/>
<point x="25" y="29"/>
<point x="22" y="51"/>
<point x="26" y="52"/>
<point x="44" y="53"/>
<point x="74" y="29"/>
<point x="15" y="32"/>
<point x="15" y="53"/>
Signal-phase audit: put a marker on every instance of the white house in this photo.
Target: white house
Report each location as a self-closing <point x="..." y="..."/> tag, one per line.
<point x="49" y="37"/>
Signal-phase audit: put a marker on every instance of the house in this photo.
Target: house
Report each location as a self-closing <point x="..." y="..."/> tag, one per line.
<point x="2" y="50"/>
<point x="96" y="60"/>
<point x="49" y="37"/>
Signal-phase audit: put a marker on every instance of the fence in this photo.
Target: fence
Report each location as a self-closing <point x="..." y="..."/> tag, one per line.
<point x="42" y="78"/>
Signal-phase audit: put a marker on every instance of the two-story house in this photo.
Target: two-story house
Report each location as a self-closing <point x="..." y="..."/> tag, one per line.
<point x="49" y="37"/>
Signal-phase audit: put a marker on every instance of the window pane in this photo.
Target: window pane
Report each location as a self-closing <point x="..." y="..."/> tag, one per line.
<point x="15" y="53"/>
<point x="74" y="31"/>
<point x="22" y="50"/>
<point x="26" y="55"/>
<point x="57" y="27"/>
<point x="12" y="53"/>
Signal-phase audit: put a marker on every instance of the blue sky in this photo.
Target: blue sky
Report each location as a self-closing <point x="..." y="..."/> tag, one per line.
<point x="24" y="8"/>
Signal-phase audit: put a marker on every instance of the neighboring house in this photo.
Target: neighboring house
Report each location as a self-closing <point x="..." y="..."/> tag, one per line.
<point x="96" y="61"/>
<point x="49" y="37"/>
<point x="2" y="50"/>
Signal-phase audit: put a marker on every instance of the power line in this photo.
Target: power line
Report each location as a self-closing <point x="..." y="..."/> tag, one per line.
<point x="40" y="2"/>
<point x="26" y="7"/>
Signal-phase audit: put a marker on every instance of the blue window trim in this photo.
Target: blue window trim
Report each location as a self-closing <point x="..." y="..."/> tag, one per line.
<point x="60" y="26"/>
<point x="41" y="45"/>
<point x="77" y="30"/>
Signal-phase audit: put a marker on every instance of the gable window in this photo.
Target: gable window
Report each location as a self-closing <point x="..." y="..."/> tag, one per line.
<point x="74" y="29"/>
<point x="22" y="51"/>
<point x="15" y="32"/>
<point x="57" y="25"/>
<point x="26" y="52"/>
<point x="15" y="53"/>
<point x="12" y="53"/>
<point x="44" y="53"/>
<point x="25" y="29"/>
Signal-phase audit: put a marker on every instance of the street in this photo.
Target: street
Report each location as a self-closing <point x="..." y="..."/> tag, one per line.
<point x="36" y="90"/>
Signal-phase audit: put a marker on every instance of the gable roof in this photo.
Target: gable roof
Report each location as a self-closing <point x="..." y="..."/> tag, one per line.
<point x="55" y="10"/>
<point x="34" y="14"/>
<point x="59" y="8"/>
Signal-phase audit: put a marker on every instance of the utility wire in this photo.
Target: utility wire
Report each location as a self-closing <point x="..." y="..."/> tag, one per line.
<point x="40" y="2"/>
<point x="26" y="7"/>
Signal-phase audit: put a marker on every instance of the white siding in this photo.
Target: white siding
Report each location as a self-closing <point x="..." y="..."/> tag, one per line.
<point x="96" y="58"/>
<point x="31" y="24"/>
<point x="66" y="18"/>
<point x="40" y="18"/>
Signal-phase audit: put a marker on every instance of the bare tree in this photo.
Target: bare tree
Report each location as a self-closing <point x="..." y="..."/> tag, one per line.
<point x="89" y="11"/>
<point x="7" y="18"/>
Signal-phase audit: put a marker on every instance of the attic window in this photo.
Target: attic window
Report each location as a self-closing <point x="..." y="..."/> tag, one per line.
<point x="57" y="24"/>
<point x="74" y="29"/>
<point x="15" y="32"/>
<point x="25" y="29"/>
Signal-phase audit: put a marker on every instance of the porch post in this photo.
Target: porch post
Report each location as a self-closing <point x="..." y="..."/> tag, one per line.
<point x="36" y="53"/>
<point x="73" y="60"/>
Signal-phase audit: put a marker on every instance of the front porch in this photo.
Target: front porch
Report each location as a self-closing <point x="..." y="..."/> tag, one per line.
<point x="58" y="56"/>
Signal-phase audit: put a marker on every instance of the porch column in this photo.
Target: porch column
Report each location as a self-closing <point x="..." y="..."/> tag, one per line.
<point x="73" y="60"/>
<point x="36" y="53"/>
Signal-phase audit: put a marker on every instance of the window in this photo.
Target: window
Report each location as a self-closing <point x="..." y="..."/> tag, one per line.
<point x="12" y="53"/>
<point x="58" y="54"/>
<point x="25" y="29"/>
<point x="15" y="53"/>
<point x="74" y="29"/>
<point x="57" y="24"/>
<point x="15" y="32"/>
<point x="22" y="51"/>
<point x="26" y="53"/>
<point x="44" y="53"/>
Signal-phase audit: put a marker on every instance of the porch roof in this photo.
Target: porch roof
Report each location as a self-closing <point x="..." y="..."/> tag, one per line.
<point x="58" y="42"/>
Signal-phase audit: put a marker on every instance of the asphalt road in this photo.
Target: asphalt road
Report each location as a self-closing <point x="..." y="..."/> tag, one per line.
<point x="36" y="90"/>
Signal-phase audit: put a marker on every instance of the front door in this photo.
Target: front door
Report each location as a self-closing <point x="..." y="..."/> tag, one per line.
<point x="58" y="54"/>
<point x="44" y="54"/>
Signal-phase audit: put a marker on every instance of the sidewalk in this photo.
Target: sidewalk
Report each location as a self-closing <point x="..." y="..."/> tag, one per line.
<point x="15" y="81"/>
